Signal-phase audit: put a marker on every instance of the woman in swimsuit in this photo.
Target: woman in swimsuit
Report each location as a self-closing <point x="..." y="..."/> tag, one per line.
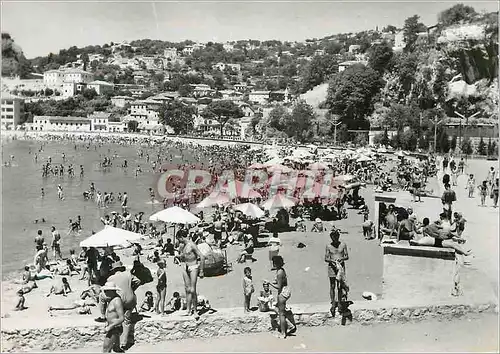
<point x="161" y="287"/>
<point x="284" y="294"/>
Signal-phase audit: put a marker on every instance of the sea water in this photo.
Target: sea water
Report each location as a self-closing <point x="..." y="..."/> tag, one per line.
<point x="22" y="203"/>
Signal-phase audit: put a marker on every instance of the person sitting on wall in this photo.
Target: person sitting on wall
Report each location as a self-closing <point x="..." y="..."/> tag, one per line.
<point x="435" y="235"/>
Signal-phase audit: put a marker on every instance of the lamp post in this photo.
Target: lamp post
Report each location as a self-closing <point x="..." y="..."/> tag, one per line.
<point x="335" y="133"/>
<point x="466" y="124"/>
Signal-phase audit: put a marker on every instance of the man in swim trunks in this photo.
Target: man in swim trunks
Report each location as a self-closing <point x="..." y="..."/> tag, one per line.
<point x="335" y="256"/>
<point x="435" y="235"/>
<point x="114" y="319"/>
<point x="191" y="269"/>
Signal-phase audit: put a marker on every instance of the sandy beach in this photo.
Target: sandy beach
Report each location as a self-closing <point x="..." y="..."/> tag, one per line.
<point x="7" y="135"/>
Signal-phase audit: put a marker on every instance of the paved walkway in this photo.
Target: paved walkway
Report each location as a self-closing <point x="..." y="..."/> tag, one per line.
<point x="472" y="334"/>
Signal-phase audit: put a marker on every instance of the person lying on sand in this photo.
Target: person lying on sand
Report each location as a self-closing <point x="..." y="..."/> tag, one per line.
<point x="91" y="292"/>
<point x="60" y="287"/>
<point x="82" y="307"/>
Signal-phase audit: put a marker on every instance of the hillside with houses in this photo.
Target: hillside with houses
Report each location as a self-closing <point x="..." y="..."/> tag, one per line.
<point x="386" y="86"/>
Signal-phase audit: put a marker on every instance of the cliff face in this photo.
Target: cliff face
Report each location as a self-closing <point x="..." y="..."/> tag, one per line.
<point x="457" y="67"/>
<point x="14" y="63"/>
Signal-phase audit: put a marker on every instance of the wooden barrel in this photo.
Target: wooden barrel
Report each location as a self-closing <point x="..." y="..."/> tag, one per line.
<point x="214" y="259"/>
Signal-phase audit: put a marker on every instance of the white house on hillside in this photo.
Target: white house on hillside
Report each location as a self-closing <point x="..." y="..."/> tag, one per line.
<point x="101" y="87"/>
<point x="260" y="97"/>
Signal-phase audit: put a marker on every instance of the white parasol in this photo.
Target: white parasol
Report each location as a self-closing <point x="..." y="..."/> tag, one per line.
<point x="363" y="158"/>
<point x="175" y="215"/>
<point x="111" y="236"/>
<point x="317" y="166"/>
<point x="250" y="209"/>
<point x="274" y="161"/>
<point x="215" y="198"/>
<point x="257" y="166"/>
<point x="278" y="201"/>
<point x="280" y="168"/>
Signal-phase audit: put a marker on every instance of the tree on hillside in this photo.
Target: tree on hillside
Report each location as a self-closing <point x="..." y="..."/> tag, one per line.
<point x="456" y="14"/>
<point x="318" y="71"/>
<point x="400" y="116"/>
<point x="390" y="28"/>
<point x="351" y="95"/>
<point x="132" y="126"/>
<point x="177" y="115"/>
<point x="300" y="121"/>
<point x="379" y="57"/>
<point x="89" y="94"/>
<point x="223" y="111"/>
<point x="278" y="118"/>
<point x="406" y="68"/>
<point x="255" y="121"/>
<point x="411" y="29"/>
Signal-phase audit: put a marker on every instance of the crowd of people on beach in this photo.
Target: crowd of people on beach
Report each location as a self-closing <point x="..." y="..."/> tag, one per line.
<point x="200" y="249"/>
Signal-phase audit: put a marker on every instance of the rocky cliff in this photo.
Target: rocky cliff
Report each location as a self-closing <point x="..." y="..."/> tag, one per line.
<point x="14" y="63"/>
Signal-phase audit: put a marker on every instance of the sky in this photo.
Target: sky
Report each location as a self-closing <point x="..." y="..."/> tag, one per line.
<point x="43" y="27"/>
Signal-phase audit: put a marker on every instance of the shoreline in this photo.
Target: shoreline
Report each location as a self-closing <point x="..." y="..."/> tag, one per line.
<point x="42" y="135"/>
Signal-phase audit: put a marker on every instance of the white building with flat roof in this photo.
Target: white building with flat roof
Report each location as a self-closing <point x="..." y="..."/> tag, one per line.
<point x="260" y="97"/>
<point x="67" y="124"/>
<point x="12" y="108"/>
<point x="101" y="87"/>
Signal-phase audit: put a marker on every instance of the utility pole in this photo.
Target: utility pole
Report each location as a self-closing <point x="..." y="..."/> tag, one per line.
<point x="466" y="124"/>
<point x="335" y="132"/>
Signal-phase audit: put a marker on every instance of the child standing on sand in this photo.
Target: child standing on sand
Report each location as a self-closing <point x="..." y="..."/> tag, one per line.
<point x="20" y="301"/>
<point x="248" y="288"/>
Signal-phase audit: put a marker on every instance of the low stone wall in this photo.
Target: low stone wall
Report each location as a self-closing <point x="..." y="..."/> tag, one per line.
<point x="223" y="323"/>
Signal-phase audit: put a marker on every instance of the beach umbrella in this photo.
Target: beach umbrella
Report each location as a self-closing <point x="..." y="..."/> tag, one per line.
<point x="175" y="215"/>
<point x="280" y="168"/>
<point x="320" y="190"/>
<point x="317" y="166"/>
<point x="257" y="166"/>
<point x="342" y="179"/>
<point x="302" y="153"/>
<point x="215" y="198"/>
<point x="111" y="236"/>
<point x="273" y="161"/>
<point x="363" y="158"/>
<point x="278" y="201"/>
<point x="238" y="189"/>
<point x="250" y="209"/>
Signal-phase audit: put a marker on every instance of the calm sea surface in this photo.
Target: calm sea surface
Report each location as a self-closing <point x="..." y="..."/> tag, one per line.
<point x="22" y="202"/>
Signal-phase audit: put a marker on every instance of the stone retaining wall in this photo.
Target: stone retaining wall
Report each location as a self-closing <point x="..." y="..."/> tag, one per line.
<point x="161" y="329"/>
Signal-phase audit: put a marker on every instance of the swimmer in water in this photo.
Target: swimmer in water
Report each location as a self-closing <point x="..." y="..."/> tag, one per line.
<point x="151" y="194"/>
<point x="60" y="193"/>
<point x="42" y="192"/>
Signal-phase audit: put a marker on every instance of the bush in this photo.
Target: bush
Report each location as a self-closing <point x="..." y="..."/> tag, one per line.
<point x="481" y="147"/>
<point x="466" y="147"/>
